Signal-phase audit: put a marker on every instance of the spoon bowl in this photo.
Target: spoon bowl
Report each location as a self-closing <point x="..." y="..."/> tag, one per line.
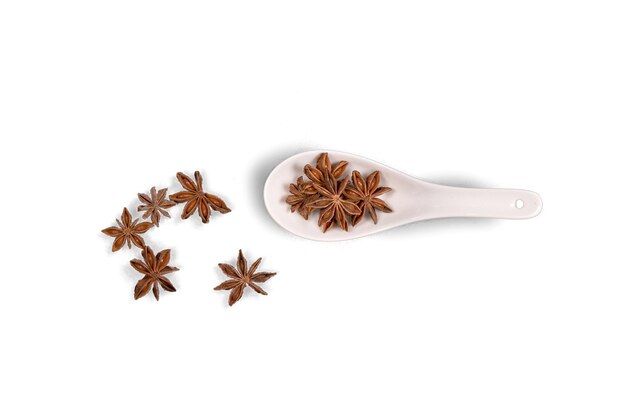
<point x="411" y="199"/>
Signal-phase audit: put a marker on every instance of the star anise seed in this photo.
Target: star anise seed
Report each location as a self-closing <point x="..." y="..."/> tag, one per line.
<point x="155" y="205"/>
<point x="127" y="231"/>
<point x="154" y="268"/>
<point x="241" y="277"/>
<point x="196" y="198"/>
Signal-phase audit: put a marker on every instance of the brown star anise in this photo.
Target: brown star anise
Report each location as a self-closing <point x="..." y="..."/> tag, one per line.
<point x="366" y="194"/>
<point x="324" y="169"/>
<point x="302" y="195"/>
<point x="325" y="179"/>
<point x="127" y="232"/>
<point x="155" y="205"/>
<point x="241" y="277"/>
<point x="154" y="268"/>
<point x="196" y="198"/>
<point x="340" y="202"/>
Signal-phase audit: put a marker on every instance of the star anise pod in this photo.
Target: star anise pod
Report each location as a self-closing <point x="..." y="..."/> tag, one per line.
<point x="324" y="169"/>
<point x="325" y="178"/>
<point x="335" y="207"/>
<point x="155" y="205"/>
<point x="127" y="232"/>
<point x="241" y="277"/>
<point x="366" y="194"/>
<point x="196" y="198"/>
<point x="154" y="268"/>
<point x="302" y="195"/>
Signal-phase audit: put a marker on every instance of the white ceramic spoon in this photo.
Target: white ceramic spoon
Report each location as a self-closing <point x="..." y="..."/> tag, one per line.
<point x="411" y="199"/>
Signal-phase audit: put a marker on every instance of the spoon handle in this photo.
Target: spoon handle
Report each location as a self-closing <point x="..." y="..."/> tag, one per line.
<point x="452" y="202"/>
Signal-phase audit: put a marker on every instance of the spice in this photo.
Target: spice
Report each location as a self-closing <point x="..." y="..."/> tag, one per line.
<point x="196" y="198"/>
<point x="334" y="207"/>
<point x="366" y="193"/>
<point x="302" y="195"/>
<point x="241" y="277"/>
<point x="155" y="205"/>
<point x="127" y="232"/>
<point x="154" y="268"/>
<point x="340" y="201"/>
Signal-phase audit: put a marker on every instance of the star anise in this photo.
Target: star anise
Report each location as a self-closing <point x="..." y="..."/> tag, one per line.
<point x="339" y="201"/>
<point x="154" y="268"/>
<point x="302" y="195"/>
<point x="366" y="194"/>
<point x="155" y="205"/>
<point x="335" y="208"/>
<point x="127" y="232"/>
<point x="241" y="277"/>
<point x="324" y="169"/>
<point x="196" y="198"/>
<point x="325" y="178"/>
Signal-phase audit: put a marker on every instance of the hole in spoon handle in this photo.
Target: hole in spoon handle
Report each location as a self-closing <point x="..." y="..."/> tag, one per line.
<point x="485" y="203"/>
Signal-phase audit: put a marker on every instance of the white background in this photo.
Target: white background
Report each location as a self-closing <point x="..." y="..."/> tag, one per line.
<point x="448" y="318"/>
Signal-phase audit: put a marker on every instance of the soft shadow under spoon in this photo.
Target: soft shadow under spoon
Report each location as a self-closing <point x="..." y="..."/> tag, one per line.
<point x="411" y="199"/>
